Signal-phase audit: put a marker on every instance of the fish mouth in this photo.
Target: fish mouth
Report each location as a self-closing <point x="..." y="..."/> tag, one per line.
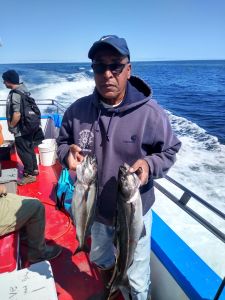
<point x="91" y="159"/>
<point x="89" y="163"/>
<point x="123" y="172"/>
<point x="126" y="180"/>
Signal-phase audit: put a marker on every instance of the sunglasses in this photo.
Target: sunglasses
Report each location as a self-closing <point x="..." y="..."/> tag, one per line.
<point x="100" y="68"/>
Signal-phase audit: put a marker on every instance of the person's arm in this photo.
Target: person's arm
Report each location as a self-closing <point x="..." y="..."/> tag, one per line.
<point x="162" y="152"/>
<point x="16" y="99"/>
<point x="15" y="119"/>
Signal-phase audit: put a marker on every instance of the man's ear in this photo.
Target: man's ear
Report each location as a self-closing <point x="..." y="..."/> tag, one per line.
<point x="129" y="71"/>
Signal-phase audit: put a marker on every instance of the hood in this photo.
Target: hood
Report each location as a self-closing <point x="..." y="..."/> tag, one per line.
<point x="137" y="93"/>
<point x="22" y="88"/>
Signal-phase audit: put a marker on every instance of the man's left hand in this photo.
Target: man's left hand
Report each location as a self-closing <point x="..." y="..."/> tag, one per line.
<point x="141" y="168"/>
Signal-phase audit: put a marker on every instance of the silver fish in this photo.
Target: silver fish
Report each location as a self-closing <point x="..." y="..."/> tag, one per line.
<point x="129" y="224"/>
<point x="84" y="200"/>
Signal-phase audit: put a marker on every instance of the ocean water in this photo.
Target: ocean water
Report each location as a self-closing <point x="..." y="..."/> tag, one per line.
<point x="193" y="94"/>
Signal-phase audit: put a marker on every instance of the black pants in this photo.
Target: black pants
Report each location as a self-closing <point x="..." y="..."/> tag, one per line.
<point x="25" y="150"/>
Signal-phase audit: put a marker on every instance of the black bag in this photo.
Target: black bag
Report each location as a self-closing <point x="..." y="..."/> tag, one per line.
<point x="30" y="114"/>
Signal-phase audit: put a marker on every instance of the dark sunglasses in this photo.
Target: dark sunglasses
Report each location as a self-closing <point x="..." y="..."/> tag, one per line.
<point x="100" y="68"/>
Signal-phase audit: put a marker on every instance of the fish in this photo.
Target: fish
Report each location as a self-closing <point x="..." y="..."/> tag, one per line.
<point x="84" y="200"/>
<point x="129" y="225"/>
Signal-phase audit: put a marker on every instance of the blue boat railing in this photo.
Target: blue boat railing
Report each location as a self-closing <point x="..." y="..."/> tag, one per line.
<point x="183" y="201"/>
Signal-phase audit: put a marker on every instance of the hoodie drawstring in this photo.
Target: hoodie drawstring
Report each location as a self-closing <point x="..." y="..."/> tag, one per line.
<point x="107" y="131"/>
<point x="97" y="123"/>
<point x="108" y="127"/>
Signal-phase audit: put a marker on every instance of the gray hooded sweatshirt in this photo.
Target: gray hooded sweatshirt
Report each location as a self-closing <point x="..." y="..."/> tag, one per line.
<point x="136" y="129"/>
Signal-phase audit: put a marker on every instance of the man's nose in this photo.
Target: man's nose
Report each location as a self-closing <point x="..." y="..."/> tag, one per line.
<point x="108" y="73"/>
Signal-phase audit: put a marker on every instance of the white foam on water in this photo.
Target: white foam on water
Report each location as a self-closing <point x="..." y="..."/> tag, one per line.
<point x="200" y="167"/>
<point x="65" y="89"/>
<point x="3" y="93"/>
<point x="200" y="164"/>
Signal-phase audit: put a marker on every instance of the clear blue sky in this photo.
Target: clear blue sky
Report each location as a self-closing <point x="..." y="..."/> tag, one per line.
<point x="64" y="30"/>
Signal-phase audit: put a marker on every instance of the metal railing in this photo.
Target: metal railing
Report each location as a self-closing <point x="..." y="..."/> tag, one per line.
<point x="183" y="201"/>
<point x="49" y="103"/>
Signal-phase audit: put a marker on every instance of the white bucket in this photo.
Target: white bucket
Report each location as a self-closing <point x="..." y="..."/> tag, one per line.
<point x="47" y="154"/>
<point x="50" y="142"/>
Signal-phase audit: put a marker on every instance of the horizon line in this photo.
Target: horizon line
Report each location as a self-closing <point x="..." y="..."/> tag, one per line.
<point x="82" y="62"/>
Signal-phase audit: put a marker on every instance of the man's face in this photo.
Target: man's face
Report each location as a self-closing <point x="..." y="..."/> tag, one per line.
<point x="7" y="84"/>
<point x="111" y="84"/>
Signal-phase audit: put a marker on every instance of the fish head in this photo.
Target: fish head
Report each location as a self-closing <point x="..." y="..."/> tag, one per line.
<point x="129" y="182"/>
<point x="87" y="170"/>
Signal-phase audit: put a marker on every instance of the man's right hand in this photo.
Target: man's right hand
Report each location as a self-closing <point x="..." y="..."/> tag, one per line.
<point x="74" y="157"/>
<point x="3" y="190"/>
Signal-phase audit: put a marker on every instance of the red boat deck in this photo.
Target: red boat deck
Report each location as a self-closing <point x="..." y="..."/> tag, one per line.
<point x="75" y="277"/>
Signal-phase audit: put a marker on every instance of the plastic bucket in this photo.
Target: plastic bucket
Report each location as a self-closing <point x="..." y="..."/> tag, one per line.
<point x="50" y="142"/>
<point x="47" y="154"/>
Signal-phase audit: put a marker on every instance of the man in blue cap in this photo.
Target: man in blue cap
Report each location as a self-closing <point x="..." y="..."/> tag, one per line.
<point x="118" y="123"/>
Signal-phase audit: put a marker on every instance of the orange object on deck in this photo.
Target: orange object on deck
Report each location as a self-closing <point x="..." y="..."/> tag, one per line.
<point x="1" y="136"/>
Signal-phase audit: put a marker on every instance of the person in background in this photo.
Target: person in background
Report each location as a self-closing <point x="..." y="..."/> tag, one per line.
<point x="119" y="122"/>
<point x="28" y="215"/>
<point x="24" y="143"/>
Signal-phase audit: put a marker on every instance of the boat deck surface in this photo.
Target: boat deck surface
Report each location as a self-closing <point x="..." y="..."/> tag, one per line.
<point x="75" y="277"/>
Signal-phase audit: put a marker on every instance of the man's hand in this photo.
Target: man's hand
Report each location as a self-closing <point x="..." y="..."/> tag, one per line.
<point x="141" y="168"/>
<point x="3" y="191"/>
<point x="75" y="157"/>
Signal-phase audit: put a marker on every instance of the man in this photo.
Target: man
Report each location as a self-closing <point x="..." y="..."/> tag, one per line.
<point x="19" y="212"/>
<point x="24" y="142"/>
<point x="119" y="123"/>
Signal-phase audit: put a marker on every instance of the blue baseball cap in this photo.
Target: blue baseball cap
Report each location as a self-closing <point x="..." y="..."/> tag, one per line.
<point x="114" y="41"/>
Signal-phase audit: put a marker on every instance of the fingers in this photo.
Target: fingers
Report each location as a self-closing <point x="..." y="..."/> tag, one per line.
<point x="74" y="148"/>
<point x="75" y="157"/>
<point x="141" y="168"/>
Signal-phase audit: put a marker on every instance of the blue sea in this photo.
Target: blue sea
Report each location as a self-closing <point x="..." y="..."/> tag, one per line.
<point x="193" y="94"/>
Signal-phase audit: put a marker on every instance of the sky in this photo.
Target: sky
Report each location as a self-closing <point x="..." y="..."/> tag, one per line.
<point x="155" y="30"/>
